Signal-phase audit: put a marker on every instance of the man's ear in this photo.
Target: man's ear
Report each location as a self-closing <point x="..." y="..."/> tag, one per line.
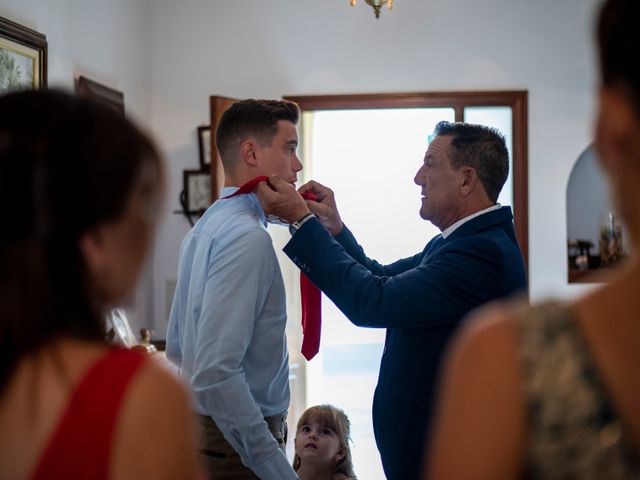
<point x="469" y="180"/>
<point x="249" y="152"/>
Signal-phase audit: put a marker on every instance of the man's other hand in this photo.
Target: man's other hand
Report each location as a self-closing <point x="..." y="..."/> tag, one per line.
<point x="324" y="207"/>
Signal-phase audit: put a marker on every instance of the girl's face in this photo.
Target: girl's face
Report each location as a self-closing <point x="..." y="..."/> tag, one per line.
<point x="318" y="444"/>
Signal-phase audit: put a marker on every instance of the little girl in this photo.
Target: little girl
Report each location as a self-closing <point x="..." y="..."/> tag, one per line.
<point x="322" y="445"/>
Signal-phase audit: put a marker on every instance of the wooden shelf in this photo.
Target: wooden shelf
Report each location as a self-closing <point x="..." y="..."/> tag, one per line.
<point x="596" y="275"/>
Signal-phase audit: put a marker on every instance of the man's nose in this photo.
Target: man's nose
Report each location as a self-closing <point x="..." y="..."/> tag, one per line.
<point x="298" y="164"/>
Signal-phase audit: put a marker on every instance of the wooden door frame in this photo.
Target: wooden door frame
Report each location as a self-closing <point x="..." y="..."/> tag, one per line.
<point x="217" y="106"/>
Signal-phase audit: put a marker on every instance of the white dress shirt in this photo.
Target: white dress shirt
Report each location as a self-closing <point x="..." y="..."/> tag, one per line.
<point x="227" y="329"/>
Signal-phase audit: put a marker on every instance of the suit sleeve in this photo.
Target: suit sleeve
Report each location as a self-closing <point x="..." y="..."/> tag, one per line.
<point x="462" y="274"/>
<point x="355" y="251"/>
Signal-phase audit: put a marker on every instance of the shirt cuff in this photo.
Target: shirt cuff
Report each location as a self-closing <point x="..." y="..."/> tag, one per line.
<point x="277" y="467"/>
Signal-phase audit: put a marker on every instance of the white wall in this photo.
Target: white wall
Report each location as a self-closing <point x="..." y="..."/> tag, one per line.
<point x="169" y="56"/>
<point x="107" y="41"/>
<point x="254" y="48"/>
<point x="588" y="200"/>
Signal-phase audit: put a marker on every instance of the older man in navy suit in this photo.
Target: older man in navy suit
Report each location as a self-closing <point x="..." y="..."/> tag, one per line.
<point x="420" y="300"/>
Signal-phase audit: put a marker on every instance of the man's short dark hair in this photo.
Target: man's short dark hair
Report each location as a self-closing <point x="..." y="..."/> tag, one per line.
<point x="482" y="148"/>
<point x="257" y="119"/>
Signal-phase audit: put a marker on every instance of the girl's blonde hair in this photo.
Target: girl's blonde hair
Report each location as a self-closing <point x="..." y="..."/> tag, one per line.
<point x="335" y="419"/>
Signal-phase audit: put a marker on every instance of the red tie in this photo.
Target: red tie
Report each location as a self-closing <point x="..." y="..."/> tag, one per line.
<point x="248" y="187"/>
<point x="311" y="309"/>
<point x="309" y="293"/>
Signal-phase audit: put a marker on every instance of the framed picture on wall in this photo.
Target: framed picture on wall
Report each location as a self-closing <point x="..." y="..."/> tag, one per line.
<point x="23" y="58"/>
<point x="204" y="146"/>
<point x="100" y="93"/>
<point x="197" y="190"/>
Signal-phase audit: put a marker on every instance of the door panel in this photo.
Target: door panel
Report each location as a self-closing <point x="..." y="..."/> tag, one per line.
<point x="217" y="106"/>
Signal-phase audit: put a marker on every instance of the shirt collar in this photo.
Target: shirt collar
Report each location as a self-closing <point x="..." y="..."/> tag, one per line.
<point x="251" y="198"/>
<point x="452" y="228"/>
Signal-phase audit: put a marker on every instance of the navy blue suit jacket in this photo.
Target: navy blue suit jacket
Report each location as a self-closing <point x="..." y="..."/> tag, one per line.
<point x="420" y="300"/>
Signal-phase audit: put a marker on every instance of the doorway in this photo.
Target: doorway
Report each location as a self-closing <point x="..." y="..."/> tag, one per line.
<point x="368" y="156"/>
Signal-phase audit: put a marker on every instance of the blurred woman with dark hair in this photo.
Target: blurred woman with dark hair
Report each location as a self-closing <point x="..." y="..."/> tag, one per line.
<point x="81" y="187"/>
<point x="553" y="391"/>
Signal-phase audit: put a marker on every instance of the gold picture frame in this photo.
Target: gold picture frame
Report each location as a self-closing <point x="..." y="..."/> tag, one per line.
<point x="23" y="58"/>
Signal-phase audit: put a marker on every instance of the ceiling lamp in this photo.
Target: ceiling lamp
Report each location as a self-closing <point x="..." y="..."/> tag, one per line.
<point x="376" y="4"/>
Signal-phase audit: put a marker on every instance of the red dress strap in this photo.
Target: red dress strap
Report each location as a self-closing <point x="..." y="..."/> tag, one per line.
<point x="80" y="448"/>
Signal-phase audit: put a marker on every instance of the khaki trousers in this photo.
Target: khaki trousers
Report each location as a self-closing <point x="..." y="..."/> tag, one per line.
<point x="218" y="458"/>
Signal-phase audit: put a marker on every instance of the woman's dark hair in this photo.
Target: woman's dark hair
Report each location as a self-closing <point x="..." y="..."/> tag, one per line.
<point x="67" y="165"/>
<point x="618" y="37"/>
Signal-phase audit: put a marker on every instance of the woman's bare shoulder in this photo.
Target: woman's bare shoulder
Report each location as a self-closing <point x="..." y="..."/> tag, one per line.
<point x="157" y="415"/>
<point x="490" y="329"/>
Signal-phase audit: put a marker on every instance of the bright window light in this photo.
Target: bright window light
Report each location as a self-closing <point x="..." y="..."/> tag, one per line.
<point x="369" y="159"/>
<point x="501" y="119"/>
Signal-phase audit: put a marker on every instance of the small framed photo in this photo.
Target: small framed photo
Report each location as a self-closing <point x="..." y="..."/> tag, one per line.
<point x="100" y="93"/>
<point x="23" y="58"/>
<point x="204" y="144"/>
<point x="197" y="190"/>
